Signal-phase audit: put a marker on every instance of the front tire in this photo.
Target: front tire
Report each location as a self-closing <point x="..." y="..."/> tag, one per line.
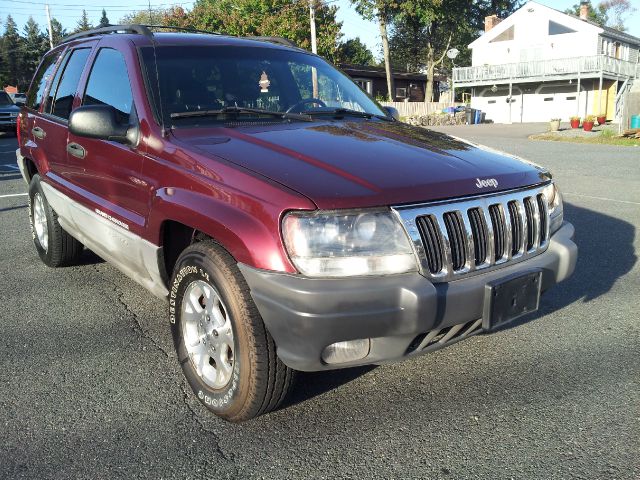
<point x="54" y="245"/>
<point x="226" y="353"/>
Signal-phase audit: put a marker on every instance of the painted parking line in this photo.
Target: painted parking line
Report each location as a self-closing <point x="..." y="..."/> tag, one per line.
<point x="12" y="167"/>
<point x="599" y="198"/>
<point x="14" y="195"/>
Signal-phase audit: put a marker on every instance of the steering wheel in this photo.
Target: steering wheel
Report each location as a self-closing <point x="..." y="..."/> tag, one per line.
<point x="304" y="102"/>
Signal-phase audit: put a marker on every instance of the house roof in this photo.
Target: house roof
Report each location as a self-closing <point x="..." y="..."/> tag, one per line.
<point x="607" y="31"/>
<point x="379" y="72"/>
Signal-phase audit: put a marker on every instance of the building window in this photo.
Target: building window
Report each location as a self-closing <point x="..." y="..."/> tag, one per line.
<point x="508" y="34"/>
<point x="401" y="92"/>
<point x="558" y="29"/>
<point x="365" y="84"/>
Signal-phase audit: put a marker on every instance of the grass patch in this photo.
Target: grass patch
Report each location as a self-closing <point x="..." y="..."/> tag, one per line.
<point x="606" y="137"/>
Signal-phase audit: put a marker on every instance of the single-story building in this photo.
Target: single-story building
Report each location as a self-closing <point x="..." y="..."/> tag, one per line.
<point x="409" y="87"/>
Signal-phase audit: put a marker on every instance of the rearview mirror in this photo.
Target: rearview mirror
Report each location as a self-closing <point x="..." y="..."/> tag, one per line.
<point x="20" y="104"/>
<point x="392" y="112"/>
<point x="101" y="121"/>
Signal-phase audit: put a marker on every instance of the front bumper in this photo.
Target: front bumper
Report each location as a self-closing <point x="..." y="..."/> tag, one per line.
<point x="304" y="315"/>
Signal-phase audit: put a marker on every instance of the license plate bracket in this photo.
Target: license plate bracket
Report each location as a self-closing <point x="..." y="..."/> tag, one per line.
<point x="510" y="298"/>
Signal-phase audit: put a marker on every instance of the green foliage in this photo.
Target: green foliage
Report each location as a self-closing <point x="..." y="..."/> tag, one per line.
<point x="355" y="52"/>
<point x="58" y="32"/>
<point x="155" y="16"/>
<point x="597" y="14"/>
<point x="11" y="53"/>
<point x="104" y="20"/>
<point x="282" y="18"/>
<point x="83" y="24"/>
<point x="34" y="45"/>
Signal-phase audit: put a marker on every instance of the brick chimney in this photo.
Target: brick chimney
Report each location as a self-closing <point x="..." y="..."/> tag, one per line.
<point x="584" y="11"/>
<point x="490" y="22"/>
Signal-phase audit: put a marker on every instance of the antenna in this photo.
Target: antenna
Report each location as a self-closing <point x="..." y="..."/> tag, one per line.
<point x="150" y="19"/>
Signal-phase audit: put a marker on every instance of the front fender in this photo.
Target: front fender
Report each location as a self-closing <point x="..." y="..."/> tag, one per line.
<point x="248" y="229"/>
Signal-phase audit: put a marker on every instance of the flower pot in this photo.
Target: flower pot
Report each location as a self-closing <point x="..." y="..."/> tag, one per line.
<point x="587" y="126"/>
<point x="575" y="123"/>
<point x="602" y="120"/>
<point x="554" y="125"/>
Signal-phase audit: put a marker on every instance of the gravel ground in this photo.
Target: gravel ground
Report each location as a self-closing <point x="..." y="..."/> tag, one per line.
<point x="91" y="387"/>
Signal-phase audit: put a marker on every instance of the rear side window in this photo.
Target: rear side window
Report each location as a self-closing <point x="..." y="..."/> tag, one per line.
<point x="108" y="84"/>
<point x="41" y="80"/>
<point x="68" y="84"/>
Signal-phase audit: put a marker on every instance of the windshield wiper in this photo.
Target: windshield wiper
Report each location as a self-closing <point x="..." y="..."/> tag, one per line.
<point x="239" y="110"/>
<point x="341" y="112"/>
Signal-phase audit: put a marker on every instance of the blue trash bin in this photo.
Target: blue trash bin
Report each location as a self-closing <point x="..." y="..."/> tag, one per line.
<point x="635" y="121"/>
<point x="477" y="117"/>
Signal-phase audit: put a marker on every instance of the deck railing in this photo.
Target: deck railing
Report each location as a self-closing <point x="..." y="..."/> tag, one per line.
<point x="561" y="67"/>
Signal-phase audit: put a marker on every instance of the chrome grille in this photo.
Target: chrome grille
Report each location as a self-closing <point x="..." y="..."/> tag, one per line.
<point x="462" y="237"/>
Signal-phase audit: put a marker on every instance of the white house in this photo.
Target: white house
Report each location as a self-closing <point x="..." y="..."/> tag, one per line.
<point x="540" y="63"/>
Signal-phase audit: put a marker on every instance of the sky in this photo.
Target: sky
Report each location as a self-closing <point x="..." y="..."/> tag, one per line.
<point x="68" y="13"/>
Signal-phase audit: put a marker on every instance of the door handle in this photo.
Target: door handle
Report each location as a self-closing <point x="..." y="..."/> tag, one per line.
<point x="38" y="132"/>
<point x="76" y="150"/>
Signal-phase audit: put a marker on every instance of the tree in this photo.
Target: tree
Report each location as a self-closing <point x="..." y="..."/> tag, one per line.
<point x="11" y="53"/>
<point x="610" y="13"/>
<point x="382" y="11"/>
<point x="355" y="52"/>
<point x="34" y="46"/>
<point x="104" y="20"/>
<point x="83" y="24"/>
<point x="155" y="16"/>
<point x="58" y="32"/>
<point x="282" y="18"/>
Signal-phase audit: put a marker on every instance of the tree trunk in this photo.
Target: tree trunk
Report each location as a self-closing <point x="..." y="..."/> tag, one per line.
<point x="387" y="57"/>
<point x="428" y="93"/>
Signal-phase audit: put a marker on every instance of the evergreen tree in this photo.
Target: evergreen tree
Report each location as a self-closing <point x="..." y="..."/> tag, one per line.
<point x="104" y="20"/>
<point x="58" y="32"/>
<point x="83" y="23"/>
<point x="35" y="44"/>
<point x="11" y="53"/>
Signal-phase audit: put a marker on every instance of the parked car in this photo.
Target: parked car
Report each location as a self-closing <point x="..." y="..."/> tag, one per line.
<point x="8" y="113"/>
<point x="19" y="98"/>
<point x="290" y="222"/>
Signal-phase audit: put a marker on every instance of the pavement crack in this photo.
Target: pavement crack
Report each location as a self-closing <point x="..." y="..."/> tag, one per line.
<point x="137" y="327"/>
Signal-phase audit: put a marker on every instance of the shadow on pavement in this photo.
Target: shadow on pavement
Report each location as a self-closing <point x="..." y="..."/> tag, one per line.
<point x="605" y="254"/>
<point x="8" y="209"/>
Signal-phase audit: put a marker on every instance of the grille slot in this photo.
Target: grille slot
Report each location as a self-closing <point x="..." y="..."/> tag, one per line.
<point x="457" y="240"/>
<point x="531" y="231"/>
<point x="542" y="207"/>
<point x="430" y="234"/>
<point x="480" y="235"/>
<point x="499" y="230"/>
<point x="472" y="235"/>
<point x="516" y="227"/>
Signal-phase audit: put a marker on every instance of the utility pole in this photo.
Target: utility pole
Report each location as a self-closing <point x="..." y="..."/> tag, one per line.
<point x="46" y="7"/>
<point x="312" y="18"/>
<point x="314" y="46"/>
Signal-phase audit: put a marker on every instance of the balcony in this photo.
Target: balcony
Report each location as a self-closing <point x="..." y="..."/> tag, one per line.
<point x="546" y="70"/>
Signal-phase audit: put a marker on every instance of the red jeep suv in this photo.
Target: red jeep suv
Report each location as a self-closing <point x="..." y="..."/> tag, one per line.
<point x="290" y="221"/>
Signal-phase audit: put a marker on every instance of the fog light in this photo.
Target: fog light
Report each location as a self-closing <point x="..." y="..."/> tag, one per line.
<point x="342" y="352"/>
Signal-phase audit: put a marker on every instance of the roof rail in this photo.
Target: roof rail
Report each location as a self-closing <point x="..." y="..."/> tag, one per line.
<point x="181" y="29"/>
<point x="278" y="40"/>
<point x="139" y="29"/>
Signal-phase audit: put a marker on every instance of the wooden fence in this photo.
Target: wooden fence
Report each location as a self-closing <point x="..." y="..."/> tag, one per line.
<point x="412" y="109"/>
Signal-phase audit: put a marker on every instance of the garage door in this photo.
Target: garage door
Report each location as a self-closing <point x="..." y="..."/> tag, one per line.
<point x="496" y="104"/>
<point x="552" y="101"/>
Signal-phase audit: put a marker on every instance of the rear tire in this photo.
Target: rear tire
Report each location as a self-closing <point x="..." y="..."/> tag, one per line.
<point x="54" y="245"/>
<point x="226" y="352"/>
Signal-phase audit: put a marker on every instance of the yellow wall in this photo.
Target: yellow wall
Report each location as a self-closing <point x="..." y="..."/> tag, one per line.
<point x="609" y="90"/>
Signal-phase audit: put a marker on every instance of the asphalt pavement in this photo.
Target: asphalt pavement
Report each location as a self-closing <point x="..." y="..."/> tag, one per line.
<point x="90" y="386"/>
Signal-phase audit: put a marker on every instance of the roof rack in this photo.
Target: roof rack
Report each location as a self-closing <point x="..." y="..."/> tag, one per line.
<point x="139" y="29"/>
<point x="146" y="30"/>
<point x="278" y="40"/>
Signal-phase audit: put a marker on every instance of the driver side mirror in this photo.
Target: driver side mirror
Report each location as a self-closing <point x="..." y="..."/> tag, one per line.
<point x="392" y="112"/>
<point x="19" y="104"/>
<point x="101" y="122"/>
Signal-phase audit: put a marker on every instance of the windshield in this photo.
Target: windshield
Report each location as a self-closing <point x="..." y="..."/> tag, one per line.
<point x="5" y="99"/>
<point x="210" y="78"/>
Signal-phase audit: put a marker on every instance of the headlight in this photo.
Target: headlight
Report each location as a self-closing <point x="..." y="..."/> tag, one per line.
<point x="554" y="203"/>
<point x="344" y="244"/>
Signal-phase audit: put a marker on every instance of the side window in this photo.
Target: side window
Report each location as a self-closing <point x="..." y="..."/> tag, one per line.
<point x="40" y="81"/>
<point x="66" y="88"/>
<point x="109" y="84"/>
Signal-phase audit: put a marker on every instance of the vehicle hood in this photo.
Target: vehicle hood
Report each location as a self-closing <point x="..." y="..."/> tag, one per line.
<point x="9" y="109"/>
<point x="364" y="163"/>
